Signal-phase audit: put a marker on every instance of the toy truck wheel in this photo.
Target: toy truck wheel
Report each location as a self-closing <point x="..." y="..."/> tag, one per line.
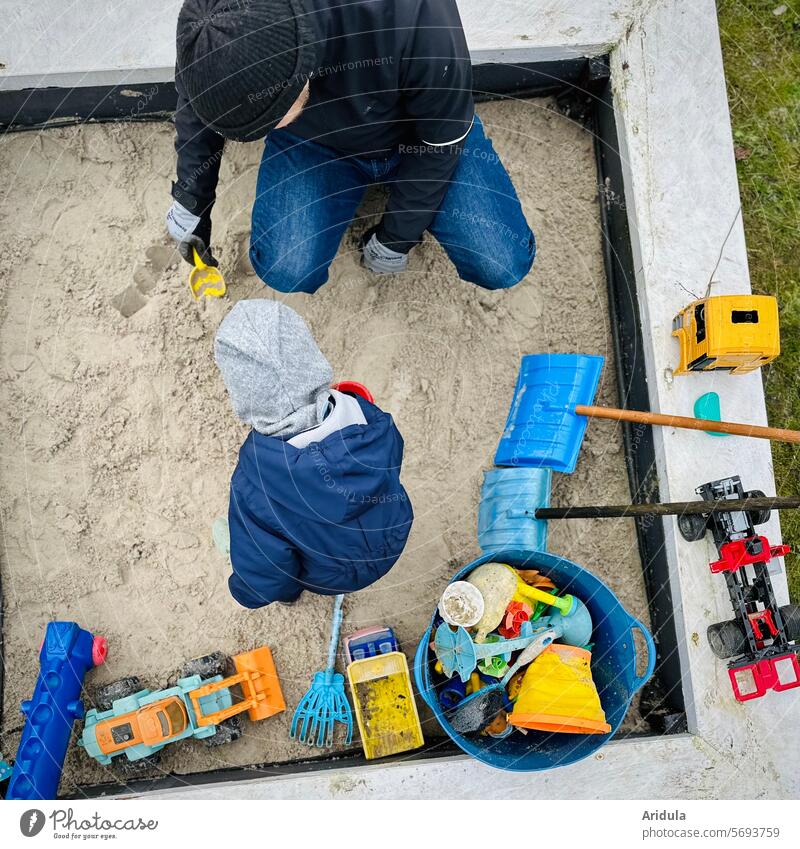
<point x="727" y="639"/>
<point x="227" y="731"/>
<point x="106" y="696"/>
<point x="757" y="517"/>
<point x="692" y="527"/>
<point x="790" y="613"/>
<point x="207" y="666"/>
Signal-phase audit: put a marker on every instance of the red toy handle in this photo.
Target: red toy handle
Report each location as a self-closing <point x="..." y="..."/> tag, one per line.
<point x="99" y="650"/>
<point x="351" y="387"/>
<point x="736" y="553"/>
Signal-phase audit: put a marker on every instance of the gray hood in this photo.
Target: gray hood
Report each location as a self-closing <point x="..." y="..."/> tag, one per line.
<point x="278" y="379"/>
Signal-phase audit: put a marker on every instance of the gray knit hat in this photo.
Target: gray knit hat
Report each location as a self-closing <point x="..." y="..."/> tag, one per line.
<point x="243" y="63"/>
<point x="278" y="379"/>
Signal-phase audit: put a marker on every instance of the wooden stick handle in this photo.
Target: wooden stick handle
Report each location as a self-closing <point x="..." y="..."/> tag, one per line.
<point x="677" y="508"/>
<point x="735" y="428"/>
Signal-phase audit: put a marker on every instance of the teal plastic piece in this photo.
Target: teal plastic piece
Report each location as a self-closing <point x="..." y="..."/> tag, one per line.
<point x="574" y="629"/>
<point x="221" y="535"/>
<point x="5" y="770"/>
<point x="219" y="700"/>
<point x="496" y="665"/>
<point x="708" y="407"/>
<point x="459" y="655"/>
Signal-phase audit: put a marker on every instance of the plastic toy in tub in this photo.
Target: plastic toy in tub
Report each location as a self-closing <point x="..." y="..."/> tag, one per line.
<point x="462" y="604"/>
<point x="516" y="614"/>
<point x="559" y="695"/>
<point x="494" y="666"/>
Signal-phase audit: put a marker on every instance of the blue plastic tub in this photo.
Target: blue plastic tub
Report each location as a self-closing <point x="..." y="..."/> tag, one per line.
<point x="542" y="429"/>
<point x="509" y="498"/>
<point x="613" y="667"/>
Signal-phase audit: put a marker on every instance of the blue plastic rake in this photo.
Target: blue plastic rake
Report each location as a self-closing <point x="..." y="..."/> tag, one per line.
<point x="325" y="703"/>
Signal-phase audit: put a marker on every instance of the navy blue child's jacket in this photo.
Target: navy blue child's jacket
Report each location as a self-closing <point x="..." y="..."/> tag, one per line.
<point x="332" y="517"/>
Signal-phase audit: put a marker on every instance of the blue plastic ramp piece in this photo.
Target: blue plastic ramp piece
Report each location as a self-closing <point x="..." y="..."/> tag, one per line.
<point x="542" y="429"/>
<point x="509" y="500"/>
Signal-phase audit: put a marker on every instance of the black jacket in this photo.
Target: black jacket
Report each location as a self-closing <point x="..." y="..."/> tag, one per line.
<point x="392" y="75"/>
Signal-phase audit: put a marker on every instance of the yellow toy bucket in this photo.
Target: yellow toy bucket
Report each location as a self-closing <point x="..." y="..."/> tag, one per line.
<point x="558" y="694"/>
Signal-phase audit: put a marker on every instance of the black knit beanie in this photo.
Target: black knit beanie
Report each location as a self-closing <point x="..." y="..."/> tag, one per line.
<point x="243" y="63"/>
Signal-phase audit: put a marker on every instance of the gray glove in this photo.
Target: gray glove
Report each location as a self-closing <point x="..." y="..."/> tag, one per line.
<point x="382" y="260"/>
<point x="190" y="231"/>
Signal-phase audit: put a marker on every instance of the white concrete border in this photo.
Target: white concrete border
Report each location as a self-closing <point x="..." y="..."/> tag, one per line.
<point x="621" y="770"/>
<point x="105" y="42"/>
<point x="683" y="201"/>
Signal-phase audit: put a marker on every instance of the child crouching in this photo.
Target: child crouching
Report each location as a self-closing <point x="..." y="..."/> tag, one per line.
<point x="316" y="501"/>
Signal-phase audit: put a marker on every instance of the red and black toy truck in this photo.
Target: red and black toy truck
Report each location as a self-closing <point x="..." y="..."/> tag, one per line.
<point x="762" y="641"/>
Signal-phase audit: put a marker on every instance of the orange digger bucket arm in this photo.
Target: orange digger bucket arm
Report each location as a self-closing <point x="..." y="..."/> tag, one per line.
<point x="220" y="715"/>
<point x="256" y="675"/>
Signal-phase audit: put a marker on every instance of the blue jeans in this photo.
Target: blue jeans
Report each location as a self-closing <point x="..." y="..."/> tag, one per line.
<point x="307" y="194"/>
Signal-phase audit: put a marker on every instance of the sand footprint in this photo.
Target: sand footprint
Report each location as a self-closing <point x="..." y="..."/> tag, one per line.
<point x="145" y="278"/>
<point x="241" y="251"/>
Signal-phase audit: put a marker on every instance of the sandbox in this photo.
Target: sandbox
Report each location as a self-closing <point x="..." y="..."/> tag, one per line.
<point x="120" y="440"/>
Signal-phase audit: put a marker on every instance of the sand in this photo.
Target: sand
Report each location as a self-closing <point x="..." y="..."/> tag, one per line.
<point x="119" y="440"/>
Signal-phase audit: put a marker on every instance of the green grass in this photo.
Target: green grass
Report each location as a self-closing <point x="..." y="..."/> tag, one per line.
<point x="761" y="51"/>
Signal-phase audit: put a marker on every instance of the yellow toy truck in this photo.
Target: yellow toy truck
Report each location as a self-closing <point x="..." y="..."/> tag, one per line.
<point x="735" y="333"/>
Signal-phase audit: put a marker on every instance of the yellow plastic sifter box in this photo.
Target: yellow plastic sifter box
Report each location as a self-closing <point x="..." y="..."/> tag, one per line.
<point x="385" y="708"/>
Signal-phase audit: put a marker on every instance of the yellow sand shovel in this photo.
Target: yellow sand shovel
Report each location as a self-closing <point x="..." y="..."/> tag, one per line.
<point x="205" y="281"/>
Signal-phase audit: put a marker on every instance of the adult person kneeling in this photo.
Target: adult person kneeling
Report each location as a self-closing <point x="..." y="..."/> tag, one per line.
<point x="375" y="91"/>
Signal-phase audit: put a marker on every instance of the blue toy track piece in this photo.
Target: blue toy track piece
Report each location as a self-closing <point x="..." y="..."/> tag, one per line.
<point x="67" y="654"/>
